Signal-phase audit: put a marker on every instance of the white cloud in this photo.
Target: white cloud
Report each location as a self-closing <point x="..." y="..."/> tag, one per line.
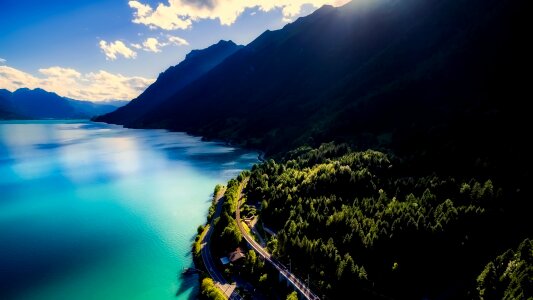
<point x="67" y="82"/>
<point x="113" y="49"/>
<point x="180" y="14"/>
<point x="2" y="61"/>
<point x="142" y="9"/>
<point x="163" y="17"/>
<point x="60" y="72"/>
<point x="153" y="45"/>
<point x="177" y="41"/>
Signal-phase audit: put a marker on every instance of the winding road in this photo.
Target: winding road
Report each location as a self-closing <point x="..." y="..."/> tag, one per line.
<point x="227" y="288"/>
<point x="297" y="283"/>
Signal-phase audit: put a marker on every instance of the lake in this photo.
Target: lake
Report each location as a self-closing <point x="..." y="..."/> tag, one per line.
<point x="96" y="211"/>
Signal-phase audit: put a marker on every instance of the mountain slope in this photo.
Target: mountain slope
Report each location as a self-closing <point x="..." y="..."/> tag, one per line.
<point x="391" y="73"/>
<point x="92" y="109"/>
<point x="196" y="63"/>
<point x="6" y="107"/>
<point x="40" y="104"/>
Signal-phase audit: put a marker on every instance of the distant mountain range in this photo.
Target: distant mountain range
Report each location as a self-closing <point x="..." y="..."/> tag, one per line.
<point x="385" y="73"/>
<point x="40" y="104"/>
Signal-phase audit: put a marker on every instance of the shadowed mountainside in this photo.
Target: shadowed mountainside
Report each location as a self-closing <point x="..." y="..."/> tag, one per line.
<point x="196" y="63"/>
<point x="389" y="74"/>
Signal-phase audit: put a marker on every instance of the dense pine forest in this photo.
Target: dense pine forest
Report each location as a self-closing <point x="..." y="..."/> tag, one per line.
<point x="509" y="276"/>
<point x="363" y="223"/>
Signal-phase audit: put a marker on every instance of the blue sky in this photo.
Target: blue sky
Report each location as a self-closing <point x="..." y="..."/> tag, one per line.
<point x="113" y="49"/>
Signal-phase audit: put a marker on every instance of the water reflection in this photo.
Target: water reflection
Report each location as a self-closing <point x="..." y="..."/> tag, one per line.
<point x="96" y="205"/>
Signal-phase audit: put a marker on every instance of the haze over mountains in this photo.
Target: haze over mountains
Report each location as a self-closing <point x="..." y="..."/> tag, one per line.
<point x="40" y="104"/>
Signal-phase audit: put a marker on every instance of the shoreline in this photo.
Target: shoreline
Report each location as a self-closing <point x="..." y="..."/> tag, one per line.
<point x="262" y="154"/>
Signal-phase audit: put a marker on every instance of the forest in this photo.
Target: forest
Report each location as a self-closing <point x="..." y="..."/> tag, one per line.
<point x="509" y="276"/>
<point x="358" y="222"/>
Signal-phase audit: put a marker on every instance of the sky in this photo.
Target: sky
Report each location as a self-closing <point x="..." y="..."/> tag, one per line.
<point x="113" y="49"/>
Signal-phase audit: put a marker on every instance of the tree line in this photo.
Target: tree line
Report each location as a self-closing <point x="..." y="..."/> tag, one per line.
<point x="359" y="222"/>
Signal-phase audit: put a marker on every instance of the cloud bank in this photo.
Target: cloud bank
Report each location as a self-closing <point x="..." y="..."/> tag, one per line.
<point x="95" y="86"/>
<point x="180" y="14"/>
<point x="153" y="44"/>
<point x="113" y="49"/>
<point x="177" y="41"/>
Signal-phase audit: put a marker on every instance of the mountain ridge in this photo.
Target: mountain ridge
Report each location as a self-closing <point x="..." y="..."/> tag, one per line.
<point x="348" y="75"/>
<point x="38" y="103"/>
<point x="169" y="82"/>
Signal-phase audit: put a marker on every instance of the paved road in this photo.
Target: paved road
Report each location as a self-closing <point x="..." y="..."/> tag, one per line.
<point x="226" y="288"/>
<point x="297" y="283"/>
<point x="253" y="228"/>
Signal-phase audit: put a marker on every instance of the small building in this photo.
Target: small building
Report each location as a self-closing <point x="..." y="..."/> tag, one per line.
<point x="224" y="260"/>
<point x="236" y="255"/>
<point x="233" y="257"/>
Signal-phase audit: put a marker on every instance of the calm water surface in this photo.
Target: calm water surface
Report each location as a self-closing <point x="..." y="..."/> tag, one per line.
<point x="94" y="211"/>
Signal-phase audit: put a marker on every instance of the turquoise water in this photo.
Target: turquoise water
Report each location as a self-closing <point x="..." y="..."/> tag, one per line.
<point x="95" y="211"/>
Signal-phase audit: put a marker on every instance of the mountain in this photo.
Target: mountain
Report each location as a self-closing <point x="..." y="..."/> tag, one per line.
<point x="40" y="104"/>
<point x="386" y="73"/>
<point x="6" y="107"/>
<point x="115" y="103"/>
<point x="91" y="109"/>
<point x="195" y="64"/>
